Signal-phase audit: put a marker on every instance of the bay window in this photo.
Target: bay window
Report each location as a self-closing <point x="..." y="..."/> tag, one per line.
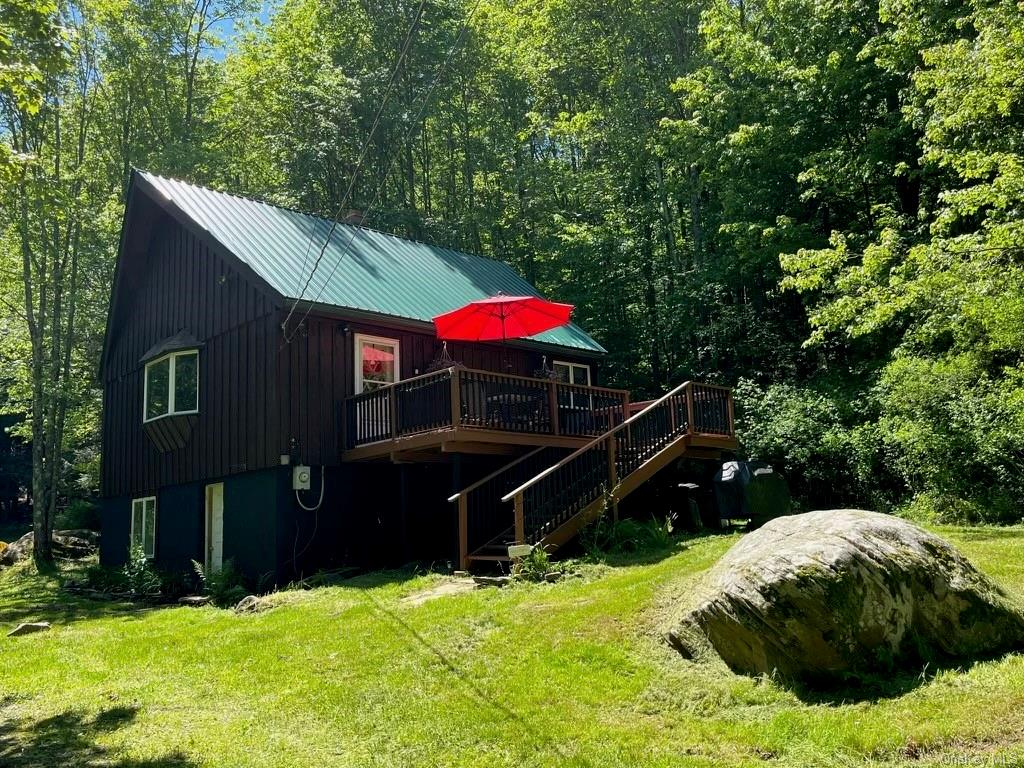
<point x="172" y="385"/>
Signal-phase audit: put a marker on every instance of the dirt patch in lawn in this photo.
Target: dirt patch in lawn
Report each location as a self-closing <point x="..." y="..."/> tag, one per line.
<point x="444" y="589"/>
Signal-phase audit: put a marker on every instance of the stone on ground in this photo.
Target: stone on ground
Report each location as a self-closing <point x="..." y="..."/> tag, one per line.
<point x="251" y="604"/>
<point x="842" y="593"/>
<point x="492" y="581"/>
<point x="444" y="589"/>
<point x="195" y="601"/>
<point x="73" y="544"/>
<point x="29" y="628"/>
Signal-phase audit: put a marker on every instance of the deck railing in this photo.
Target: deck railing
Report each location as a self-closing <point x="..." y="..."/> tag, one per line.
<point x="482" y="400"/>
<point x="567" y="488"/>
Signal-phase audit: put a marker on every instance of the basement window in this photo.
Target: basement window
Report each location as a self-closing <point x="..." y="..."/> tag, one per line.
<point x="172" y="385"/>
<point x="144" y="525"/>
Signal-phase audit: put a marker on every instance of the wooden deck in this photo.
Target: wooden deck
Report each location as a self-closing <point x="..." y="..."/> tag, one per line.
<point x="461" y="410"/>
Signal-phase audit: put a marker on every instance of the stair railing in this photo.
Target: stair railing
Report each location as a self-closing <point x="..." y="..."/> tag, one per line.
<point x="567" y="488"/>
<point x="482" y="516"/>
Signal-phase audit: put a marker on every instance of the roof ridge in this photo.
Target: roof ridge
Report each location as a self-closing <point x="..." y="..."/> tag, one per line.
<point x="318" y="217"/>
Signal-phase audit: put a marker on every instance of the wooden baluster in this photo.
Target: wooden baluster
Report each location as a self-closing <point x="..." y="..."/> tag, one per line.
<point x="520" y="519"/>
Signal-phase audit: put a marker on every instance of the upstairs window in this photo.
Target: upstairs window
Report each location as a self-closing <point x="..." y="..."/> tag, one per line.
<point x="172" y="385"/>
<point x="572" y="373"/>
<point x="376" y="362"/>
<point x="143" y="532"/>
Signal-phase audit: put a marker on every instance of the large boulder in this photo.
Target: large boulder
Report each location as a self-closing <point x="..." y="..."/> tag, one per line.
<point x="835" y="594"/>
<point x="71" y="545"/>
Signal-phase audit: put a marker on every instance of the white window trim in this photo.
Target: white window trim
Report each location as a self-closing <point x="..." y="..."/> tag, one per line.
<point x="590" y="380"/>
<point x="570" y="366"/>
<point x="170" y="379"/>
<point x="361" y="338"/>
<point x="142" y="539"/>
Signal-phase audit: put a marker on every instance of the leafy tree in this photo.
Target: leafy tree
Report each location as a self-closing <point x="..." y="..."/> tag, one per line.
<point x="126" y="85"/>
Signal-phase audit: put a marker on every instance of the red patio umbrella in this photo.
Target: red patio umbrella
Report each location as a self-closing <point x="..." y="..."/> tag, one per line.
<point x="502" y="317"/>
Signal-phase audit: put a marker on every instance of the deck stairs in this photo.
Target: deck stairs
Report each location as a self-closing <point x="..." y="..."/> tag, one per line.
<point x="547" y="496"/>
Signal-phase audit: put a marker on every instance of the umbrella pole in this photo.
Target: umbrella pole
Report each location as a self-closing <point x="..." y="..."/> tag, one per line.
<point x="504" y="342"/>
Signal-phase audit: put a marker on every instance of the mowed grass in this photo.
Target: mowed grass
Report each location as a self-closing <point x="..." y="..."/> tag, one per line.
<point x="566" y="674"/>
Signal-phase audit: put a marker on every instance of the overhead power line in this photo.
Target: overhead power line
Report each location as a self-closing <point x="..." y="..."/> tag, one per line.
<point x="407" y="43"/>
<point x="413" y="127"/>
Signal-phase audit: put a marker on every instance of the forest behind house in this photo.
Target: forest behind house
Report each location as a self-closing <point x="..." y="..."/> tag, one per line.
<point x="820" y="202"/>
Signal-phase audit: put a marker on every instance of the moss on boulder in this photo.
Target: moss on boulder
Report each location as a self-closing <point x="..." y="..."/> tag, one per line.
<point x="842" y="593"/>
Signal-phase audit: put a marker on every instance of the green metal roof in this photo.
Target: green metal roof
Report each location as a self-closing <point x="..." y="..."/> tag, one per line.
<point x="361" y="268"/>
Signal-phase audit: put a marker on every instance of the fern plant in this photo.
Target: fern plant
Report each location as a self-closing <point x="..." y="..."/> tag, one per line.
<point x="225" y="586"/>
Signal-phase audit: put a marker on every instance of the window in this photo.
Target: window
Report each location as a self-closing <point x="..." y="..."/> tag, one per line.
<point x="572" y="373"/>
<point x="144" y="524"/>
<point x="172" y="385"/>
<point x="377" y="362"/>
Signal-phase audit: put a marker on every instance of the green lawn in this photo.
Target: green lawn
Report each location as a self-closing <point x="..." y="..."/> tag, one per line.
<point x="535" y="675"/>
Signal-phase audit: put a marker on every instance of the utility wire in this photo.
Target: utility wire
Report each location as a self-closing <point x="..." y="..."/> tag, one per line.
<point x="355" y="173"/>
<point x="413" y="126"/>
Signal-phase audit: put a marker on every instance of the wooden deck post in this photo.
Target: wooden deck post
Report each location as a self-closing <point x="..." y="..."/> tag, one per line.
<point x="732" y="425"/>
<point x="553" y="406"/>
<point x="613" y="474"/>
<point x="689" y="408"/>
<point x="456" y="397"/>
<point x="520" y="519"/>
<point x="463" y="532"/>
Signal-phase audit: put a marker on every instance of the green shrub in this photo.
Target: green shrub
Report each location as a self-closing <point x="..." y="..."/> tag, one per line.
<point x="534" y="566"/>
<point x="79" y="513"/>
<point x="931" y="507"/>
<point x="823" y="440"/>
<point x="627" y="536"/>
<point x="140" y="577"/>
<point x="175" y="584"/>
<point x="225" y="587"/>
<point x="955" y="433"/>
<point x="104" y="579"/>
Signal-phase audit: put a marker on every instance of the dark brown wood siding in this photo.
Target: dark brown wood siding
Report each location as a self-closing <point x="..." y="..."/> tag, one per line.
<point x="183" y="285"/>
<point x="317" y="373"/>
<point x="259" y="397"/>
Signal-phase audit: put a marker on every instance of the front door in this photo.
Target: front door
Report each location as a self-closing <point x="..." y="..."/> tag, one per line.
<point x="214" y="527"/>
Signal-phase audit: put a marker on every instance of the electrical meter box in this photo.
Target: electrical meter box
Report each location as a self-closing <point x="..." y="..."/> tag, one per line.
<point x="300" y="478"/>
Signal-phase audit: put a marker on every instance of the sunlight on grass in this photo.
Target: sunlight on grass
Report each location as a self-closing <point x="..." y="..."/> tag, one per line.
<point x="536" y="675"/>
